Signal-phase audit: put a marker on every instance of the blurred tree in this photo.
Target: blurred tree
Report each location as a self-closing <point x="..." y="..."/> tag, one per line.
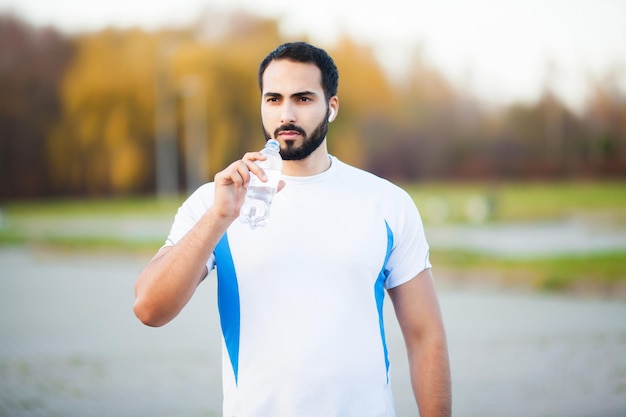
<point x="94" y="111"/>
<point x="428" y="96"/>
<point x="606" y="115"/>
<point x="416" y="132"/>
<point x="563" y="137"/>
<point x="226" y="59"/>
<point x="32" y="62"/>
<point x="104" y="142"/>
<point x="366" y="102"/>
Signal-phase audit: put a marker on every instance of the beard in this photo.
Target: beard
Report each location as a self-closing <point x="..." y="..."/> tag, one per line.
<point x="310" y="143"/>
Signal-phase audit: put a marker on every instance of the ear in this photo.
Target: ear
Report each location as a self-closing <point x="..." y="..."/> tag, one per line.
<point x="334" y="108"/>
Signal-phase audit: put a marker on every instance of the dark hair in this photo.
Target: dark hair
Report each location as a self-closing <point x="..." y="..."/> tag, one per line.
<point x="305" y="53"/>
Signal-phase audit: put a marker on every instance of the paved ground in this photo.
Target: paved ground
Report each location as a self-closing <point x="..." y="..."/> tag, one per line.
<point x="70" y="346"/>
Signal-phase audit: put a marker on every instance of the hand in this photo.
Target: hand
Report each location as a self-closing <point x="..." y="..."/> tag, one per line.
<point x="231" y="185"/>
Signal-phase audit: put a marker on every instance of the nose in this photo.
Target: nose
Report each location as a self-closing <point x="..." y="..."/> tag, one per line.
<point x="287" y="114"/>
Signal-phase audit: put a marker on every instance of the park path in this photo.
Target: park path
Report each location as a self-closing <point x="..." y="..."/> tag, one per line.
<point x="70" y="346"/>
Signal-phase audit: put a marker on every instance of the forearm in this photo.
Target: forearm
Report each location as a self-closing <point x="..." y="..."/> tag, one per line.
<point x="167" y="283"/>
<point x="430" y="376"/>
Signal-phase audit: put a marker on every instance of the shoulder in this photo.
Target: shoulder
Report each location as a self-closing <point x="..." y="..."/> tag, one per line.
<point x="200" y="200"/>
<point x="190" y="212"/>
<point x="377" y="187"/>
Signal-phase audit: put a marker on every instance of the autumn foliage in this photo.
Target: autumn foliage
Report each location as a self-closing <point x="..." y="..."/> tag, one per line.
<point x="126" y="111"/>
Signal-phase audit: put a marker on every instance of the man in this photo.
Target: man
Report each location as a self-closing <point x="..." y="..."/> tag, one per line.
<point x="300" y="300"/>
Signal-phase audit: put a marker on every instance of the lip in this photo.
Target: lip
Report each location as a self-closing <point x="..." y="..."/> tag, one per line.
<point x="289" y="134"/>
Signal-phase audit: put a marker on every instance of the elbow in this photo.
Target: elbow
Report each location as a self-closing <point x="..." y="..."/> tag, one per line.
<point x="149" y="315"/>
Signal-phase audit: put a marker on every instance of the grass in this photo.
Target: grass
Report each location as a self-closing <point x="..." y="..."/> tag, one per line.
<point x="523" y="202"/>
<point x="112" y="207"/>
<point x="597" y="271"/>
<point x="45" y="223"/>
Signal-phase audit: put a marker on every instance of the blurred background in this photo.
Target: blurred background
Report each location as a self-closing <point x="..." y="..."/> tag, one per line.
<point x="505" y="120"/>
<point x="117" y="99"/>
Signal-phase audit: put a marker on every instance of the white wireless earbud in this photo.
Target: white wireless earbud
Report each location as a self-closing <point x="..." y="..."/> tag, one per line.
<point x="331" y="116"/>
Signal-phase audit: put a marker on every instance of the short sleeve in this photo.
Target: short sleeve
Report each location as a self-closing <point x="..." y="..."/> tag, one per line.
<point x="189" y="213"/>
<point x="410" y="250"/>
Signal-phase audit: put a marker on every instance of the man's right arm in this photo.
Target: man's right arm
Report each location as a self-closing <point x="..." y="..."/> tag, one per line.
<point x="169" y="280"/>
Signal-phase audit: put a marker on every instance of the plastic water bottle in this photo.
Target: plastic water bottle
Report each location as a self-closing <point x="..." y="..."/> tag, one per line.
<point x="256" y="207"/>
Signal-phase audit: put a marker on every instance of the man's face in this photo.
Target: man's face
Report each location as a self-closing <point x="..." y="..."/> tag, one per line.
<point x="294" y="109"/>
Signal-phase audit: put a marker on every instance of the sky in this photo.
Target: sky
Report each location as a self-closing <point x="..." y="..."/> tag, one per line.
<point x="498" y="50"/>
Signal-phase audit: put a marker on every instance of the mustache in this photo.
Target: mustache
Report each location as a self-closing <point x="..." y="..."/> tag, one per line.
<point x="290" y="127"/>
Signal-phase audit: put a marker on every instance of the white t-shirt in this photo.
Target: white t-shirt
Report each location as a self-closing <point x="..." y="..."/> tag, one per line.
<point x="301" y="299"/>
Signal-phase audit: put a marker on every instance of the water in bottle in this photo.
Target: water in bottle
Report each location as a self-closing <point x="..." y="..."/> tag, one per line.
<point x="256" y="207"/>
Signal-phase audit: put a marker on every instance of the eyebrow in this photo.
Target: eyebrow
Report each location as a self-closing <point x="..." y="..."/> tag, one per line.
<point x="299" y="94"/>
<point x="304" y="93"/>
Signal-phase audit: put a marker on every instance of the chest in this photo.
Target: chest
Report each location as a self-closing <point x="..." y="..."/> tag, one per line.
<point x="318" y="232"/>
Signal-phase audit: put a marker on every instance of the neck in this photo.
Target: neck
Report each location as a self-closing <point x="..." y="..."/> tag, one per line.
<point x="314" y="164"/>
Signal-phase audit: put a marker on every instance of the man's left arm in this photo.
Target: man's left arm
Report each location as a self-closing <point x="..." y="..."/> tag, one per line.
<point x="419" y="315"/>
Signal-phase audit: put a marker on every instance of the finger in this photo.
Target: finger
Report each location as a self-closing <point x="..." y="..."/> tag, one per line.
<point x="236" y="174"/>
<point x="241" y="173"/>
<point x="253" y="156"/>
<point x="250" y="159"/>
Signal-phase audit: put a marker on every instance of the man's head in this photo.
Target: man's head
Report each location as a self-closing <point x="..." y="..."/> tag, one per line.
<point x="306" y="54"/>
<point x="299" y="97"/>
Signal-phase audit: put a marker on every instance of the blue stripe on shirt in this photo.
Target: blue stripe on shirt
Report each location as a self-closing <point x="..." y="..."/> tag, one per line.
<point x="228" y="301"/>
<point x="379" y="292"/>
